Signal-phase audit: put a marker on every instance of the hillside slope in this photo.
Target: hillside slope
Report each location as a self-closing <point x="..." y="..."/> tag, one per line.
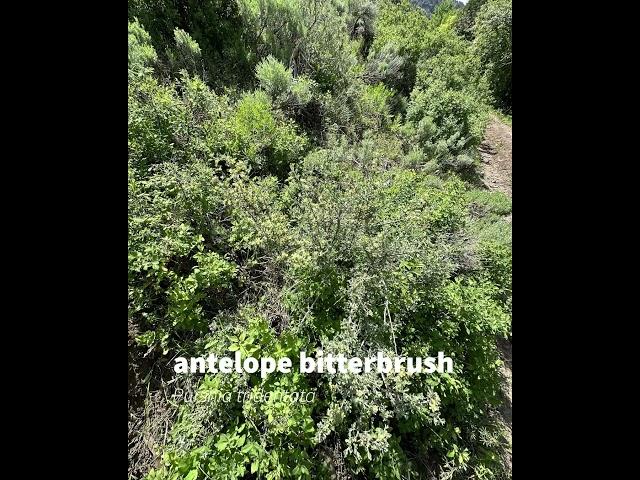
<point x="430" y="5"/>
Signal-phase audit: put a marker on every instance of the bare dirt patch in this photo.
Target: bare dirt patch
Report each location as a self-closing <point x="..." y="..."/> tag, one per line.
<point x="496" y="156"/>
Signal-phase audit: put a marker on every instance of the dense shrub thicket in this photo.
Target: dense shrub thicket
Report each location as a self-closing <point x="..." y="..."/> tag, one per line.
<point x="300" y="177"/>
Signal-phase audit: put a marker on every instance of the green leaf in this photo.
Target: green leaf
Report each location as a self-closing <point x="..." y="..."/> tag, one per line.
<point x="222" y="444"/>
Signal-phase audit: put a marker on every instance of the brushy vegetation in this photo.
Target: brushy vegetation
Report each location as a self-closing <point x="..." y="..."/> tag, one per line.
<point x="300" y="177"/>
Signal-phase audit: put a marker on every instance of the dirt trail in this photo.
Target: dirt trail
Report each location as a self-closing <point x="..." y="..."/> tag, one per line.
<point x="496" y="156"/>
<point x="496" y="153"/>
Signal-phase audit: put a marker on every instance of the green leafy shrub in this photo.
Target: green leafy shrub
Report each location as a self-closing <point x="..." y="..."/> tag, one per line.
<point x="172" y="269"/>
<point x="215" y="25"/>
<point x="323" y="210"/>
<point x="273" y="77"/>
<point x="497" y="262"/>
<point x="186" y="55"/>
<point x="403" y="29"/>
<point x="467" y="18"/>
<point x="493" y="45"/>
<point x="273" y="26"/>
<point x="157" y="121"/>
<point x="447" y="122"/>
<point x="374" y="104"/>
<point x="142" y="55"/>
<point x="385" y="65"/>
<point x="485" y="201"/>
<point x="257" y="134"/>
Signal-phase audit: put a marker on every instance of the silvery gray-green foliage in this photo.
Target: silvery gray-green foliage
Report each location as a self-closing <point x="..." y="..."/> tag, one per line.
<point x="186" y="55"/>
<point x="385" y="65"/>
<point x="273" y="77"/>
<point x="142" y="55"/>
